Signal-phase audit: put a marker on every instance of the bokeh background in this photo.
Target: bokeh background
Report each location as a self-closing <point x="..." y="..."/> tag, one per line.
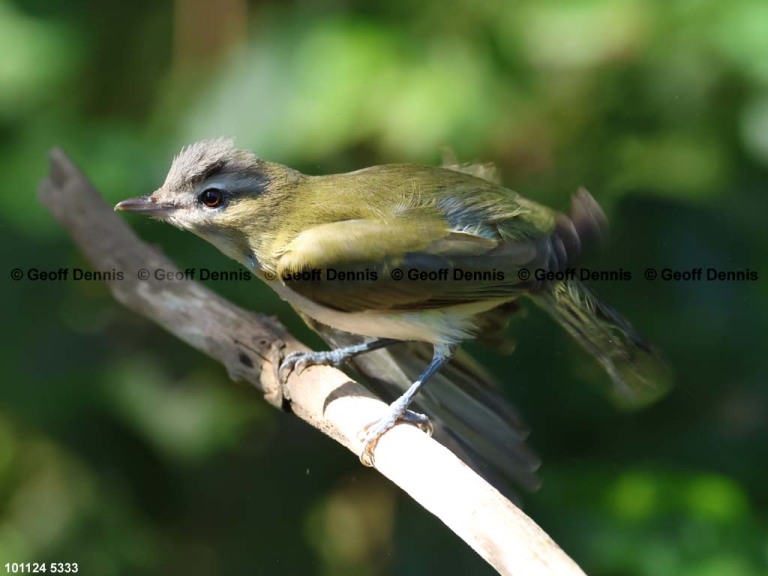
<point x="129" y="453"/>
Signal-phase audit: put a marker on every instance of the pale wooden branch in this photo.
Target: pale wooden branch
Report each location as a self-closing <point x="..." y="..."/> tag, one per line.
<point x="249" y="346"/>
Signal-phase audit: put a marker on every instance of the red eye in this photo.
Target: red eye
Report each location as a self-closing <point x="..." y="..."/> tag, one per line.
<point x="212" y="197"/>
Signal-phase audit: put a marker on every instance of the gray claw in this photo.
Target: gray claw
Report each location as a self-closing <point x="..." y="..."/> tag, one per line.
<point x="293" y="362"/>
<point x="421" y="421"/>
<point x="371" y="434"/>
<point x="300" y="361"/>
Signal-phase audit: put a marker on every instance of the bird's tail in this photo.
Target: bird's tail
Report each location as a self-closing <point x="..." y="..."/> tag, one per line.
<point x="639" y="375"/>
<point x="469" y="414"/>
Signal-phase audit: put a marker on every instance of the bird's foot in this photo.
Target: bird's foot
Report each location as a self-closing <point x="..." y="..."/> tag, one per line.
<point x="396" y="414"/>
<point x="300" y="361"/>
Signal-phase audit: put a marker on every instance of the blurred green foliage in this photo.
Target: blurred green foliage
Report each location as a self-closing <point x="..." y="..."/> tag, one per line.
<point x="125" y="451"/>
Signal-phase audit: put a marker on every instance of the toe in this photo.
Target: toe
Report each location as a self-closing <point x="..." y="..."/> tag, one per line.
<point x="289" y="364"/>
<point x="419" y="420"/>
<point x="366" y="456"/>
<point x="370" y="438"/>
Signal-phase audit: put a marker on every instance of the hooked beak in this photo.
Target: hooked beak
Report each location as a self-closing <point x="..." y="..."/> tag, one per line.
<point x="146" y="205"/>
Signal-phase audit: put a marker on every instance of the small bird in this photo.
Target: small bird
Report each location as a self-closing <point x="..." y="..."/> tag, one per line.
<point x="412" y="259"/>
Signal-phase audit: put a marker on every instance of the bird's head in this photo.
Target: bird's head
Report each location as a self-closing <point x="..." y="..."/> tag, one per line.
<point x="220" y="193"/>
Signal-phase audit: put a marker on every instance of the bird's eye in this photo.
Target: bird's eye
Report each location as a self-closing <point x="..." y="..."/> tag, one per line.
<point x="212" y="197"/>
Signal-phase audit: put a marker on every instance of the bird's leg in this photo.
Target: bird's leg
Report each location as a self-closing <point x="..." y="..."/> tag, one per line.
<point x="398" y="410"/>
<point x="299" y="361"/>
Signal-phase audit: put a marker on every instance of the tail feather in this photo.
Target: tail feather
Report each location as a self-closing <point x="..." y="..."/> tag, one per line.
<point x="469" y="414"/>
<point x="638" y="373"/>
<point x="467" y="401"/>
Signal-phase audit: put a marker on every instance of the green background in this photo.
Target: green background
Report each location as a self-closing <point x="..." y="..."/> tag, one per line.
<point x="129" y="453"/>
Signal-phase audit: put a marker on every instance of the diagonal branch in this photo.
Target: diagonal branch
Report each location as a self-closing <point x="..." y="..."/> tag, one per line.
<point x="250" y="345"/>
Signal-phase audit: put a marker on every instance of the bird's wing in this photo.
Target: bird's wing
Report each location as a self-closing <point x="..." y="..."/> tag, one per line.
<point x="403" y="263"/>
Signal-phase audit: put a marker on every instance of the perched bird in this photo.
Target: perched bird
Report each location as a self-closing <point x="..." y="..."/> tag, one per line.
<point x="397" y="265"/>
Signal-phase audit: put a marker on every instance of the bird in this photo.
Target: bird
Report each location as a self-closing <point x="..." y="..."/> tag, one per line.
<point x="397" y="265"/>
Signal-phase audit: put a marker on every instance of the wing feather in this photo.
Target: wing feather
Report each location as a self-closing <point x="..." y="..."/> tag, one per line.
<point x="400" y="264"/>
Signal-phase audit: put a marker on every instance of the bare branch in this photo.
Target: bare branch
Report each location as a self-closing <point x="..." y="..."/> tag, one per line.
<point x="249" y="346"/>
